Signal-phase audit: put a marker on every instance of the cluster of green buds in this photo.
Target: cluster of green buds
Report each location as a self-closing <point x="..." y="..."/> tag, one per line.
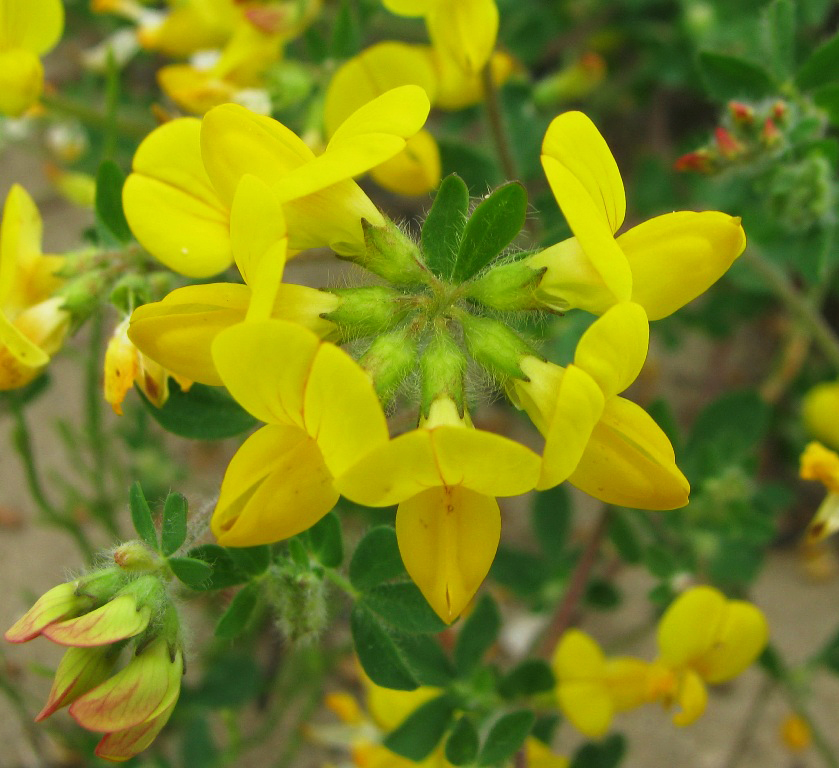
<point x="122" y="611"/>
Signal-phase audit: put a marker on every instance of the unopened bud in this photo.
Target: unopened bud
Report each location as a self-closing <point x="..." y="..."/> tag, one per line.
<point x="389" y="361"/>
<point x="135" y="556"/>
<point x="442" y="366"/>
<point x="742" y="113"/>
<point x="699" y="161"/>
<point x="508" y="287"/>
<point x="728" y="145"/>
<point x="495" y="346"/>
<point x="391" y="254"/>
<point x="770" y="135"/>
<point x="367" y="311"/>
<point x="299" y="603"/>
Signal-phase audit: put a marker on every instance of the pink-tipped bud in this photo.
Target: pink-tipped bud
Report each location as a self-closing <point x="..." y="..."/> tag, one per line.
<point x="54" y="605"/>
<point x="135" y="556"/>
<point x="728" y="145"/>
<point x="742" y="113"/>
<point x="698" y="161"/>
<point x="780" y="110"/>
<point x="80" y="670"/>
<point x="118" y="619"/>
<point x="770" y="135"/>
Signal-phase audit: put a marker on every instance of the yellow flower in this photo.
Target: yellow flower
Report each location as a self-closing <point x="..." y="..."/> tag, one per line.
<point x="661" y="264"/>
<point x="187" y="27"/>
<point x="591" y="689"/>
<point x="32" y="322"/>
<point x="795" y="733"/>
<point x="600" y="442"/>
<point x="705" y="638"/>
<point x="28" y="29"/>
<point x="178" y="332"/>
<point x="177" y="200"/>
<point x="819" y="409"/>
<point x="445" y="476"/>
<point x="819" y="463"/>
<point x="125" y="366"/>
<point x="415" y="170"/>
<point x="322" y="415"/>
<point x="465" y="30"/>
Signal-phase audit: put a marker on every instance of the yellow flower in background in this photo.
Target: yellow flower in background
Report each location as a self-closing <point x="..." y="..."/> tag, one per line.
<point x="126" y="366"/>
<point x="819" y="411"/>
<point x="28" y="29"/>
<point x="445" y="476"/>
<point x="591" y="688"/>
<point x="600" y="442"/>
<point x="820" y="463"/>
<point x="178" y="332"/>
<point x="177" y="200"/>
<point x="32" y="322"/>
<point x="661" y="264"/>
<point x="188" y="26"/>
<point x="415" y="170"/>
<point x="465" y="30"/>
<point x="704" y="638"/>
<point x="322" y="415"/>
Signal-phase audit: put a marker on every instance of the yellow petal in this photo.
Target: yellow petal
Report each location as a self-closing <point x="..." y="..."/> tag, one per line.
<point x="390" y="708"/>
<point x="826" y="520"/>
<point x="692" y="698"/>
<point x="689" y="627"/>
<point x="265" y="366"/>
<point x="80" y="670"/>
<point x="577" y="657"/>
<point x="119" y="746"/>
<point x="629" y="461"/>
<point x="194" y="90"/>
<point x="235" y="141"/>
<point x="116" y="620"/>
<point x="447" y="539"/>
<point x="342" y="411"/>
<point x="32" y="24"/>
<point x="190" y="27"/>
<point x="627" y="680"/>
<point x="740" y="637"/>
<point x="21" y="81"/>
<point x="466" y="30"/>
<point x="614" y="348"/>
<point x="172" y="207"/>
<point x="588" y="222"/>
<point x="408" y="7"/>
<point x="375" y="70"/>
<point x="20" y="242"/>
<point x="415" y="170"/>
<point x="588" y="707"/>
<point x="276" y="486"/>
<point x="457" y="88"/>
<point x="818" y="410"/>
<point x="21" y="348"/>
<point x="676" y="257"/>
<point x="574" y="142"/>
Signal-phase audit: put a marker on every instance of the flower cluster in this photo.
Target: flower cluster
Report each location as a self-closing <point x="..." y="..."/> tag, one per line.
<point x="121" y="610"/>
<point x="240" y="187"/>
<point x="702" y="638"/>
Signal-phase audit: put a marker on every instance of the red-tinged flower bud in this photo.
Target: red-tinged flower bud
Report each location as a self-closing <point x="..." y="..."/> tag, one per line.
<point x="123" y="745"/>
<point x="699" y="161"/>
<point x="135" y="556"/>
<point x="728" y="145"/>
<point x="58" y="603"/>
<point x="118" y="619"/>
<point x="742" y="113"/>
<point x="80" y="670"/>
<point x="142" y="691"/>
<point x="780" y="110"/>
<point x="770" y="135"/>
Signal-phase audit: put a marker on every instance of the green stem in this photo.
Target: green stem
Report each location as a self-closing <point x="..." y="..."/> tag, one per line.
<point x="341" y="582"/>
<point x="95" y="118"/>
<point x="51" y="514"/>
<point x="496" y="124"/>
<point x="823" y="335"/>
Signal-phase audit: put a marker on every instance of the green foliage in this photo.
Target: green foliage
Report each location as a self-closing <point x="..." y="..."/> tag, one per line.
<point x="235" y="619"/>
<point x="141" y="516"/>
<point x="605" y="754"/>
<point x="200" y="413"/>
<point x="173" y="528"/>
<point x="376" y="559"/>
<point x="505" y="737"/>
<point x="193" y="572"/>
<point x="421" y="731"/>
<point x="530" y="677"/>
<point x="443" y="228"/>
<point x="251" y="560"/>
<point x="729" y="77"/>
<point x="478" y="634"/>
<point x="225" y="572"/>
<point x="821" y="67"/>
<point x="346" y="33"/>
<point x="403" y="606"/>
<point x="780" y="16"/>
<point x="463" y="742"/>
<point x="326" y="541"/>
<point x="381" y="658"/>
<point x="109" y="213"/>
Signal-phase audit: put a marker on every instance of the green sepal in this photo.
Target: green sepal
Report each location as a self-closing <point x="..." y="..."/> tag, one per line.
<point x="508" y="287"/>
<point x="495" y="346"/>
<point x="418" y="735"/>
<point x="444" y="226"/>
<point x="368" y="310"/>
<point x="492" y="226"/>
<point x="506" y="736"/>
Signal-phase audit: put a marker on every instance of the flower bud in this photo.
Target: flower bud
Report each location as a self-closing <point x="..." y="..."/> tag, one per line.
<point x="367" y="311"/>
<point x="80" y="670"/>
<point x="391" y="254"/>
<point x="389" y="361"/>
<point x="442" y="367"/>
<point x="134" y="555"/>
<point x="495" y="346"/>
<point x="508" y="287"/>
<point x="299" y="603"/>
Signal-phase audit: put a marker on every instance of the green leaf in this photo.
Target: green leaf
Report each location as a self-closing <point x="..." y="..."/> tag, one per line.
<point x="522" y="572"/>
<point x="602" y="594"/>
<point x="326" y="541"/>
<point x="191" y="571"/>
<point x="201" y="413"/>
<point x="251" y="560"/>
<point x="141" y="516"/>
<point x="476" y="167"/>
<point x="478" y="634"/>
<point x="530" y="677"/>
<point x="827" y="97"/>
<point x="197" y="745"/>
<point x="462" y="744"/>
<point x="376" y="559"/>
<point x="425" y="658"/>
<point x="492" y="226"/>
<point x="544" y="727"/>
<point x="624" y="536"/>
<point x="108" y="201"/>
<point x="727" y="77"/>
<point x="506" y="736"/>
<point x="230" y="682"/>
<point x="235" y="619"/>
<point x="821" y="67"/>
<point x="379" y="655"/>
<point x="552" y="521"/>
<point x="173" y="529"/>
<point x="418" y="735"/>
<point x="225" y="572"/>
<point x="605" y="754"/>
<point x="734" y="423"/>
<point x="443" y="227"/>
<point x="346" y="35"/>
<point x="403" y="606"/>
<point x="780" y="16"/>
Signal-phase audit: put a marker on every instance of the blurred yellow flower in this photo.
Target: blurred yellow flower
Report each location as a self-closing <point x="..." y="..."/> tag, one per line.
<point x="661" y="264"/>
<point x="28" y="29"/>
<point x="822" y="464"/>
<point x="32" y="322"/>
<point x="819" y="410"/>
